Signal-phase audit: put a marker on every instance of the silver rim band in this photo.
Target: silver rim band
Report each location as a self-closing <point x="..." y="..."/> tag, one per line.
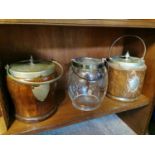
<point x="122" y="98"/>
<point x="35" y="119"/>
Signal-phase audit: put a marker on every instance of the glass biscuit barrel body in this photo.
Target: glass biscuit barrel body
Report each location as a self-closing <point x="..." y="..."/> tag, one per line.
<point x="87" y="83"/>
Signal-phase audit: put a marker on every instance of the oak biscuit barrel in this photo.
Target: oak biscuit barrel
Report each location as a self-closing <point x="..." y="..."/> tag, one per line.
<point x="125" y="85"/>
<point x="31" y="84"/>
<point x="126" y="75"/>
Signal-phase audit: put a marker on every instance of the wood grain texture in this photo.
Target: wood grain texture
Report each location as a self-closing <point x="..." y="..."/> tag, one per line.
<point x="61" y="43"/>
<point x="4" y="120"/>
<point x="139" y="23"/>
<point x="67" y="115"/>
<point x="27" y="106"/>
<point x="139" y="119"/>
<point x="3" y="126"/>
<point x="119" y="82"/>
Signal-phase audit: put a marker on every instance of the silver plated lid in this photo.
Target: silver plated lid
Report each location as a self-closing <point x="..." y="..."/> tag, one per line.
<point x="88" y="63"/>
<point x="126" y="61"/>
<point x="29" y="69"/>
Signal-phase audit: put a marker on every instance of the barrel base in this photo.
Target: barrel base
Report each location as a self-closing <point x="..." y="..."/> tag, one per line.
<point x="123" y="99"/>
<point x="36" y="119"/>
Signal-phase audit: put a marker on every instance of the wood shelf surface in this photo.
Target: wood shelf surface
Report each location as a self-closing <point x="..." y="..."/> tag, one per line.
<point x="67" y="115"/>
<point x="133" y="23"/>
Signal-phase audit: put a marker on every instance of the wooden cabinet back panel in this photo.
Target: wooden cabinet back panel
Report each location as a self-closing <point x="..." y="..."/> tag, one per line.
<point x="18" y="42"/>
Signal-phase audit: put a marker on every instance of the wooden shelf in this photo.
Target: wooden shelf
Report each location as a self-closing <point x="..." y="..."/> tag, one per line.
<point x="67" y="114"/>
<point x="134" y="23"/>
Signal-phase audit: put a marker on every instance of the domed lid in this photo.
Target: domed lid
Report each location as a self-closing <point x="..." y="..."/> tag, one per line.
<point x="29" y="69"/>
<point x="126" y="61"/>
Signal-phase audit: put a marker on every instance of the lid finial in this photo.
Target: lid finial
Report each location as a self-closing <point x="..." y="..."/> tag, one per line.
<point x="31" y="60"/>
<point x="127" y="55"/>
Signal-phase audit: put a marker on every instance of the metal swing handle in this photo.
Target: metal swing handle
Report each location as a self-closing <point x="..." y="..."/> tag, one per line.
<point x="135" y="36"/>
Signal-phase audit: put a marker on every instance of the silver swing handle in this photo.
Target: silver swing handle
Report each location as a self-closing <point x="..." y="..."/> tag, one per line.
<point x="36" y="83"/>
<point x="135" y="36"/>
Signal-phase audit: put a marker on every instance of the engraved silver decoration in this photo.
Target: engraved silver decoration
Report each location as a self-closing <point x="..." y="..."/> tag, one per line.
<point x="41" y="92"/>
<point x="133" y="84"/>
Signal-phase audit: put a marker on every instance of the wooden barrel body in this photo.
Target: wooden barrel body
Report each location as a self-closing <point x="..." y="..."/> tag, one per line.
<point x="125" y="85"/>
<point x="32" y="102"/>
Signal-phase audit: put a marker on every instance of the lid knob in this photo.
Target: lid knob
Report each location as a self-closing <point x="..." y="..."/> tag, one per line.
<point x="127" y="55"/>
<point x="31" y="60"/>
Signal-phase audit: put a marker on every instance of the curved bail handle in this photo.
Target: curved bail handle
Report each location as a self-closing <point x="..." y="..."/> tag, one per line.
<point x="37" y="83"/>
<point x="135" y="36"/>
